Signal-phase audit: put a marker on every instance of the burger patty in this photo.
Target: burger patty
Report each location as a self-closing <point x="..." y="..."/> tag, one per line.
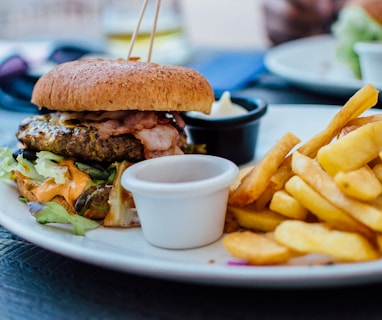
<point x="80" y="141"/>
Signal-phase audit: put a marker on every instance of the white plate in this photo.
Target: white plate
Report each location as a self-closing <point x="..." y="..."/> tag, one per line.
<point x="311" y="63"/>
<point x="127" y="251"/>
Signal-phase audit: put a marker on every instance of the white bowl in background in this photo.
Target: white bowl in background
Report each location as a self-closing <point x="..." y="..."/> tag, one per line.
<point x="370" y="58"/>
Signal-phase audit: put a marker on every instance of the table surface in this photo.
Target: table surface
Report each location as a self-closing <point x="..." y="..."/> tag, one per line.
<point x="39" y="284"/>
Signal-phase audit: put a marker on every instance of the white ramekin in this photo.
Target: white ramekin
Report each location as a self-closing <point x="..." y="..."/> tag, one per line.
<point x="181" y="200"/>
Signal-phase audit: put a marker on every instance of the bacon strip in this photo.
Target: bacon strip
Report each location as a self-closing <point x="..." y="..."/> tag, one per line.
<point x="159" y="141"/>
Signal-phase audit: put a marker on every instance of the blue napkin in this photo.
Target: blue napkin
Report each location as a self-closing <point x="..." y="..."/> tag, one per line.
<point x="16" y="85"/>
<point x="231" y="70"/>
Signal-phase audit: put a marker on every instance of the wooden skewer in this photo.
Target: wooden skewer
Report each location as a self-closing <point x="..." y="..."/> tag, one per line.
<point x="153" y="32"/>
<point x="136" y="31"/>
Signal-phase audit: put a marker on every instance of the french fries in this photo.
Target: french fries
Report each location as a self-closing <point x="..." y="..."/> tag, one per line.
<point x="324" y="210"/>
<point x="285" y="204"/>
<point x="361" y="183"/>
<point x="362" y="100"/>
<point x="256" y="180"/>
<point x="323" y="197"/>
<point x="311" y="172"/>
<point x="264" y="220"/>
<point x="352" y="151"/>
<point x="256" y="248"/>
<point x="377" y="169"/>
<point x="320" y="238"/>
<point x="357" y="122"/>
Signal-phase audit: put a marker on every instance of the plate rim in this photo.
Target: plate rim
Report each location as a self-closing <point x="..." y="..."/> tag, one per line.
<point x="242" y="276"/>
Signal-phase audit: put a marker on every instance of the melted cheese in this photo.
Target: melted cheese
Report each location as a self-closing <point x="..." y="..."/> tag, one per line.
<point x="71" y="190"/>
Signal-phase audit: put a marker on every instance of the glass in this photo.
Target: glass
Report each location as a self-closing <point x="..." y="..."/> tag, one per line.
<point x="50" y="19"/>
<point x="120" y="19"/>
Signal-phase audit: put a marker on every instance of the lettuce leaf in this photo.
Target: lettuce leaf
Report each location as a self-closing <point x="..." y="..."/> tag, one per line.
<point x="52" y="212"/>
<point x="8" y="164"/>
<point x="48" y="167"/>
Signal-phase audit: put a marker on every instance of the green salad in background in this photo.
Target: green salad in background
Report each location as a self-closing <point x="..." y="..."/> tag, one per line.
<point x="357" y="22"/>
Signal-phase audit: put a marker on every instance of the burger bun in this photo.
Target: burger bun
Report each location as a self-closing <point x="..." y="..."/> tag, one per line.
<point x="112" y="85"/>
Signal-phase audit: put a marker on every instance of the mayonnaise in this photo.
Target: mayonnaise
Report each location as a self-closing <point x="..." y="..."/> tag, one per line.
<point x="222" y="108"/>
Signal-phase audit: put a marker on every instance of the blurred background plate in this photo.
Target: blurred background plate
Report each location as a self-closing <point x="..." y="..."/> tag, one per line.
<point x="311" y="63"/>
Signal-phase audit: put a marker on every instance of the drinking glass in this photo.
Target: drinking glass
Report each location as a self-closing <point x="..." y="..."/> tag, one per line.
<point x="120" y="19"/>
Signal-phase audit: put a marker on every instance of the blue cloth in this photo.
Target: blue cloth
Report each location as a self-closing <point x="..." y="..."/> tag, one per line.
<point x="231" y="70"/>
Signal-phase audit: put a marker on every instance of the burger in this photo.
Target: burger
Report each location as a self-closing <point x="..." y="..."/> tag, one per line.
<point x="358" y="20"/>
<point x="100" y="116"/>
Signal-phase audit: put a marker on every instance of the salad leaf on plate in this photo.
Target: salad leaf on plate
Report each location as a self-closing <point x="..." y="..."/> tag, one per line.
<point x="52" y="212"/>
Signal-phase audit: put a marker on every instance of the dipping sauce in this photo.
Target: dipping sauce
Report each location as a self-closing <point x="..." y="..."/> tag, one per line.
<point x="231" y="130"/>
<point x="222" y="108"/>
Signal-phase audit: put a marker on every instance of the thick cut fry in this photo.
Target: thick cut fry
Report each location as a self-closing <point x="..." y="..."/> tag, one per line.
<point x="256" y="181"/>
<point x="285" y="204"/>
<point x="242" y="173"/>
<point x="361" y="184"/>
<point x="374" y="162"/>
<point x="311" y="172"/>
<point x="265" y="197"/>
<point x="358" y="122"/>
<point x="377" y="169"/>
<point x="379" y="242"/>
<point x="319" y="238"/>
<point x="362" y="100"/>
<point x="256" y="248"/>
<point x="282" y="174"/>
<point x="324" y="210"/>
<point x="352" y="151"/>
<point x="230" y="223"/>
<point x="265" y="220"/>
<point x="377" y="203"/>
